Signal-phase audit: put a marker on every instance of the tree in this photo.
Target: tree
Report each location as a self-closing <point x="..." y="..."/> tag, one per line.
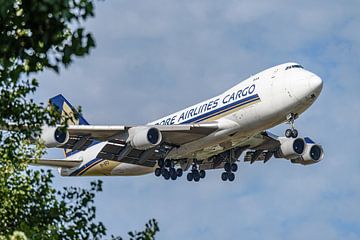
<point x="37" y="36"/>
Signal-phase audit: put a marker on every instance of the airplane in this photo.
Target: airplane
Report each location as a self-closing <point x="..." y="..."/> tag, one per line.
<point x="212" y="134"/>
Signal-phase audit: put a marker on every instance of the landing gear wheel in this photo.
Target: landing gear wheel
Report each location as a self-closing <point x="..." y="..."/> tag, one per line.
<point x="234" y="167"/>
<point x="202" y="173"/>
<point x="190" y="177"/>
<point x="227" y="167"/>
<point x="173" y="177"/>
<point x="224" y="176"/>
<point x="231" y="176"/>
<point x="295" y="133"/>
<point x="164" y="171"/>
<point x="179" y="172"/>
<point x="158" y="172"/>
<point x="288" y="133"/>
<point x="173" y="173"/>
<point x="166" y="175"/>
<point x="196" y="176"/>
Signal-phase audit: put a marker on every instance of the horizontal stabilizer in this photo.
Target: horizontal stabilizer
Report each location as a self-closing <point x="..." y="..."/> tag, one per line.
<point x="57" y="163"/>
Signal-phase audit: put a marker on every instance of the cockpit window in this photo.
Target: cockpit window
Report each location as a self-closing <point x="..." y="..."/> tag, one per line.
<point x="293" y="66"/>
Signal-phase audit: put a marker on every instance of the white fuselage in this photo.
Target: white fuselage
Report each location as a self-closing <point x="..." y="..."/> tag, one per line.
<point x="260" y="102"/>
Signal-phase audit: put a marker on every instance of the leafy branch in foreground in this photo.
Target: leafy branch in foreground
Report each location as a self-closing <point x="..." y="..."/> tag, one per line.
<point x="36" y="36"/>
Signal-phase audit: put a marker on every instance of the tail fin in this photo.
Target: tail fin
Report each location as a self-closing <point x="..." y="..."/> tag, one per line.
<point x="67" y="110"/>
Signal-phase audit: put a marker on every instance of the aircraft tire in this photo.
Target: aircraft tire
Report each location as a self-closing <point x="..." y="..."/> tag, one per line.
<point x="227" y="167"/>
<point x="164" y="171"/>
<point x="172" y="171"/>
<point x="158" y="172"/>
<point x="295" y="133"/>
<point x="179" y="172"/>
<point x="231" y="176"/>
<point x="202" y="173"/>
<point x="173" y="177"/>
<point x="224" y="176"/>
<point x="190" y="176"/>
<point x="196" y="177"/>
<point x="234" y="167"/>
<point x="167" y="175"/>
<point x="288" y="133"/>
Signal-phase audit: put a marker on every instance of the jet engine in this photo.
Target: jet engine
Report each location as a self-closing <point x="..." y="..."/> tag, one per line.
<point x="290" y="148"/>
<point x="313" y="153"/>
<point x="53" y="136"/>
<point x="143" y="138"/>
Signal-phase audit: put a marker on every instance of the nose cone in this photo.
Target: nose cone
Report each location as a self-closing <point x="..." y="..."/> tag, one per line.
<point x="315" y="84"/>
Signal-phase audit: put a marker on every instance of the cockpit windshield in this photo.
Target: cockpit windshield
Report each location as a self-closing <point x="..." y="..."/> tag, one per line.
<point x="293" y="66"/>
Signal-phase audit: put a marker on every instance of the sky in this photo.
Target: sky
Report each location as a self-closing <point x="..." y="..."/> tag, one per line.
<point x="156" y="57"/>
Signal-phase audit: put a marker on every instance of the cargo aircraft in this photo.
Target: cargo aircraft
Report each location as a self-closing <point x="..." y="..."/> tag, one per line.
<point x="212" y="134"/>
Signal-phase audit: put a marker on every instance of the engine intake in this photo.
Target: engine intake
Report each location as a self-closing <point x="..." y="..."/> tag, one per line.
<point x="313" y="153"/>
<point x="143" y="138"/>
<point x="53" y="136"/>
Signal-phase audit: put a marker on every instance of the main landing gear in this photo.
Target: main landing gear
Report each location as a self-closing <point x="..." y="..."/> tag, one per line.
<point x="167" y="170"/>
<point x="195" y="173"/>
<point x="292" y="132"/>
<point x="229" y="168"/>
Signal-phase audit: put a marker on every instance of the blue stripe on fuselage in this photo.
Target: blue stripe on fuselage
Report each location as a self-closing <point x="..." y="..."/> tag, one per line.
<point x="222" y="109"/>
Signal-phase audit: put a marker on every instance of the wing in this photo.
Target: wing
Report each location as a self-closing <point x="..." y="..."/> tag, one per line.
<point x="83" y="136"/>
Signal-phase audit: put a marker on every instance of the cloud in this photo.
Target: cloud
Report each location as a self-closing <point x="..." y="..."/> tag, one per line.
<point x="155" y="57"/>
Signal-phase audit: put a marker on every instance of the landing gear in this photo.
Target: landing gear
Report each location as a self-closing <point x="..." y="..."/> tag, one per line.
<point x="292" y="132"/>
<point x="167" y="170"/>
<point x="229" y="168"/>
<point x="196" y="174"/>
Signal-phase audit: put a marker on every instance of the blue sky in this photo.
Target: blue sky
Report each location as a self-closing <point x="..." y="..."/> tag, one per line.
<point x="155" y="57"/>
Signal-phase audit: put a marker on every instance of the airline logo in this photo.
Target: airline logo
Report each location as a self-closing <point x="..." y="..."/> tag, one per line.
<point x="210" y="109"/>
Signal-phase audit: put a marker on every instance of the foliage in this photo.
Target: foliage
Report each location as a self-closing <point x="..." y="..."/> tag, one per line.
<point x="35" y="208"/>
<point x="36" y="36"/>
<point x="151" y="228"/>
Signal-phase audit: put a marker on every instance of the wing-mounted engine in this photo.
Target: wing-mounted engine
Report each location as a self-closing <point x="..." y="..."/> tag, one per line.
<point x="143" y="138"/>
<point x="313" y="153"/>
<point x="53" y="136"/>
<point x="300" y="150"/>
<point x="290" y="148"/>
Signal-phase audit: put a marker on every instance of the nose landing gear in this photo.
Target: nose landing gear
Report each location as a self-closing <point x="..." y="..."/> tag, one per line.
<point x="291" y="132"/>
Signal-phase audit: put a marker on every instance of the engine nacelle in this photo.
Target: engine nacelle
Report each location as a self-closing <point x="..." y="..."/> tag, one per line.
<point x="313" y="153"/>
<point x="290" y="148"/>
<point x="53" y="136"/>
<point x="143" y="138"/>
